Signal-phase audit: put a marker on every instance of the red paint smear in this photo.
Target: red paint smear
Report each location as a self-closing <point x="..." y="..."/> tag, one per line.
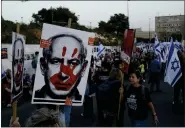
<point x="74" y="52"/>
<point x="64" y="51"/>
<point x="18" y="75"/>
<point x="61" y="85"/>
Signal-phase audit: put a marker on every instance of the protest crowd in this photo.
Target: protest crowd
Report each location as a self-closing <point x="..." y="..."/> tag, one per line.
<point x="111" y="85"/>
<point x="114" y="91"/>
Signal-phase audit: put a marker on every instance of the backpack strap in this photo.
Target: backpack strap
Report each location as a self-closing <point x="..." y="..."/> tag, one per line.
<point x="143" y="92"/>
<point x="127" y="87"/>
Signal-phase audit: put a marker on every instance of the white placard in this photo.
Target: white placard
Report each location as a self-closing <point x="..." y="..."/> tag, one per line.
<point x="62" y="66"/>
<point x="125" y="57"/>
<point x="18" y="45"/>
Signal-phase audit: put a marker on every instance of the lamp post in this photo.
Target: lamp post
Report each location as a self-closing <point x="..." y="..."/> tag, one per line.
<point x="78" y="16"/>
<point x="128" y="10"/>
<point x="149" y="28"/>
<point x="90" y="25"/>
<point x="22" y="20"/>
<point x="51" y="15"/>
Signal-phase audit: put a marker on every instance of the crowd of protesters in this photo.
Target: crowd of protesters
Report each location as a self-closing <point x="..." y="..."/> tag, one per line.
<point x="107" y="79"/>
<point x="106" y="82"/>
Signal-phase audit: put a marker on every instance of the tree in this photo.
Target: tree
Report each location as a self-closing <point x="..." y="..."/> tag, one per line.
<point x="53" y="15"/>
<point x="116" y="25"/>
<point x="7" y="26"/>
<point x="6" y="30"/>
<point x="118" y="22"/>
<point x="104" y="27"/>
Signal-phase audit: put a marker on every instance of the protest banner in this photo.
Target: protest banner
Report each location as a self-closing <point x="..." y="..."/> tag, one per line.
<point x="18" y="44"/>
<point x="63" y="66"/>
<point x="127" y="47"/>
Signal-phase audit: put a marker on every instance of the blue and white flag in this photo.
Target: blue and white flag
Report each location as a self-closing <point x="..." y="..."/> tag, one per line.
<point x="101" y="48"/>
<point x="156" y="40"/>
<point x="158" y="50"/>
<point x="173" y="68"/>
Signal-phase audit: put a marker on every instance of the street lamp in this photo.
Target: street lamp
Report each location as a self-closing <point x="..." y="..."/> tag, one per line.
<point x="22" y="20"/>
<point x="51" y="15"/>
<point x="90" y="25"/>
<point x="149" y="28"/>
<point x="78" y="16"/>
<point x="128" y="10"/>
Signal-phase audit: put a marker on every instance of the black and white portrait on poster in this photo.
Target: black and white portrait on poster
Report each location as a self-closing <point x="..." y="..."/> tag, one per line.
<point x="18" y="43"/>
<point x="62" y="66"/>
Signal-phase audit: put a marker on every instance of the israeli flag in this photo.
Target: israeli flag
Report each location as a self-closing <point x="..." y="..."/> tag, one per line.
<point x="157" y="47"/>
<point x="3" y="75"/>
<point x="156" y="40"/>
<point x="173" y="68"/>
<point x="158" y="50"/>
<point x="101" y="48"/>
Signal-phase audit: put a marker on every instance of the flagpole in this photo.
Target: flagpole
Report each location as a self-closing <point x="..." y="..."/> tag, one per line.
<point x="128" y="10"/>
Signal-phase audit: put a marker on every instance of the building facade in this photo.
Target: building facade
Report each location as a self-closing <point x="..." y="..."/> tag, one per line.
<point x="144" y="34"/>
<point x="166" y="25"/>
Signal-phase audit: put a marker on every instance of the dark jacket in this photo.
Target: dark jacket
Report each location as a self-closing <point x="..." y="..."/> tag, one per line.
<point x="112" y="101"/>
<point x="181" y="81"/>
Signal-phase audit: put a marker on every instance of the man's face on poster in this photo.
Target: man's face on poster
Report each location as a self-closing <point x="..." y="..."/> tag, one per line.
<point x="65" y="65"/>
<point x="18" y="64"/>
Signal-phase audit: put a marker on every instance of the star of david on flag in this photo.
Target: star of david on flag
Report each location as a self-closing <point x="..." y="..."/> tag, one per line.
<point x="175" y="65"/>
<point x="173" y="69"/>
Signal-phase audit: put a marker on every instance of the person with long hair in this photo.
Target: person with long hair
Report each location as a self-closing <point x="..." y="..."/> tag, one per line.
<point x="108" y="100"/>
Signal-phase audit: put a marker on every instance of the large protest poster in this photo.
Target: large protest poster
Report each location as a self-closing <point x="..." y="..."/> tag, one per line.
<point x="127" y="47"/>
<point x="4" y="53"/>
<point x="18" y="44"/>
<point x="63" y="66"/>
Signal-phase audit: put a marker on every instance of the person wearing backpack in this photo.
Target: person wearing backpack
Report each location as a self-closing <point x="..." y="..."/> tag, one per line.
<point x="138" y="101"/>
<point x="108" y="99"/>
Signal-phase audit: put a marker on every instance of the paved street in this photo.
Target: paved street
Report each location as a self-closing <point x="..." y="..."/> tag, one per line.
<point x="162" y="102"/>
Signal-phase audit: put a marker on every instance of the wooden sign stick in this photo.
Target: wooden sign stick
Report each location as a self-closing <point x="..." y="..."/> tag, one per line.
<point x="57" y="108"/>
<point x="121" y="94"/>
<point x="14" y="106"/>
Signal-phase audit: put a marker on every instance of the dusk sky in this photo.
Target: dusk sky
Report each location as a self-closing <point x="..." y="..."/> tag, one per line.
<point x="95" y="11"/>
